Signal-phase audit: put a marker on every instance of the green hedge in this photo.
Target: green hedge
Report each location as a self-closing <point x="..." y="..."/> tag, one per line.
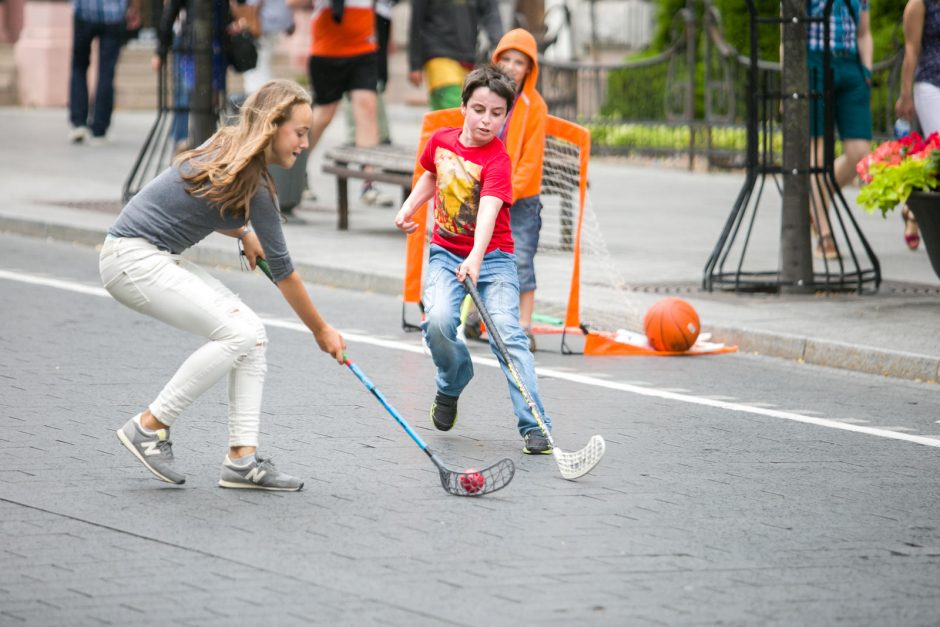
<point x="885" y="21"/>
<point x="640" y="93"/>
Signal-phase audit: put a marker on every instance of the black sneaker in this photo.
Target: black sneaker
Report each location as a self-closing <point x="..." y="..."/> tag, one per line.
<point x="536" y="443"/>
<point x="444" y="411"/>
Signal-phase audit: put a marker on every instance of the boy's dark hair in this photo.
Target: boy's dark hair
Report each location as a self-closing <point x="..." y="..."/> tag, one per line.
<point x="492" y="78"/>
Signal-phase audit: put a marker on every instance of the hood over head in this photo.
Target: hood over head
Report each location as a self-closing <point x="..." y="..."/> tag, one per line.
<point x="523" y="41"/>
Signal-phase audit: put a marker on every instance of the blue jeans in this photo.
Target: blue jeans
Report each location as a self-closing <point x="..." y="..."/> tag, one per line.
<point x="499" y="289"/>
<point x="184" y="77"/>
<point x="525" y="218"/>
<point x="110" y="39"/>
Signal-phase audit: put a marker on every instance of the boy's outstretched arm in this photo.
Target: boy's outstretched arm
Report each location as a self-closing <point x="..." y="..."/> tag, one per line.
<point x="486" y="220"/>
<point x="419" y="195"/>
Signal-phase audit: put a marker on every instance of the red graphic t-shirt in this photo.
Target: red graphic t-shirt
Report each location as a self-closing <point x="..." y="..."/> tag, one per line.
<point x="464" y="175"/>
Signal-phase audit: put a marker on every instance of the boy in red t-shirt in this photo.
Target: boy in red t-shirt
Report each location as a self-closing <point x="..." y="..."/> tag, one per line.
<point x="468" y="172"/>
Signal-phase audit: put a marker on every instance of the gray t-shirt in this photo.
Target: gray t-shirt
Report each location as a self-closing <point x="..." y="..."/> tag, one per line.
<point x="164" y="214"/>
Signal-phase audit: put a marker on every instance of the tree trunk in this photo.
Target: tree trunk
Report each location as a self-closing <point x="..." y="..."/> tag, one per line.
<point x="203" y="122"/>
<point x="796" y="262"/>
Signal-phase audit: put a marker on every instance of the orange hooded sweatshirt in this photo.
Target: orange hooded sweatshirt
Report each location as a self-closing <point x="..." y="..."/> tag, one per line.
<point x="525" y="132"/>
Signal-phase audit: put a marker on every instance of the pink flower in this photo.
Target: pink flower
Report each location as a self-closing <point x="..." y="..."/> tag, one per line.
<point x="895" y="168"/>
<point x="889" y="153"/>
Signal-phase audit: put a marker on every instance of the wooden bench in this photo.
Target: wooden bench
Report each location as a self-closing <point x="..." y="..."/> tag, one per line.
<point x="384" y="164"/>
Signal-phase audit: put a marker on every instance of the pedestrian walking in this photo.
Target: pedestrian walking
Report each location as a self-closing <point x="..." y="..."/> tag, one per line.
<point x="342" y="60"/>
<point x="222" y="186"/>
<point x="442" y="46"/>
<point x="370" y="194"/>
<point x="175" y="32"/>
<point x="276" y="19"/>
<point x="850" y="49"/>
<point x="920" y="82"/>
<point x="107" y="21"/>
<point x="468" y="173"/>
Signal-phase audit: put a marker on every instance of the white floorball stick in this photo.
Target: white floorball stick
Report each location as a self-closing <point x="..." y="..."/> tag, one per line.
<point x="571" y="465"/>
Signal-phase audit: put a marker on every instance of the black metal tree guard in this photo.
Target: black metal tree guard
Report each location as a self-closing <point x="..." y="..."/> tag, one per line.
<point x="158" y="148"/>
<point x="856" y="267"/>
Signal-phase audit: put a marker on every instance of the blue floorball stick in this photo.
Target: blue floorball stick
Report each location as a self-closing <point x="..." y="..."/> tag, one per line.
<point x="468" y="482"/>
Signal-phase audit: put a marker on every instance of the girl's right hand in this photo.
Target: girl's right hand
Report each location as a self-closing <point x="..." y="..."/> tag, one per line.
<point x="331" y="341"/>
<point x="251" y="245"/>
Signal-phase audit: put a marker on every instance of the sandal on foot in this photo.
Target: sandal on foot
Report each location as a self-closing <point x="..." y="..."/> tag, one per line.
<point x="826" y="248"/>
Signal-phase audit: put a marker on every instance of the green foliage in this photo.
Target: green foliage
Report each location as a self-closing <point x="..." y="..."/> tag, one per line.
<point x="660" y="137"/>
<point x="886" y="27"/>
<point x="735" y="22"/>
<point x="662" y="30"/>
<point x="640" y="93"/>
<point x="735" y="19"/>
<point x="654" y="138"/>
<point x="892" y="184"/>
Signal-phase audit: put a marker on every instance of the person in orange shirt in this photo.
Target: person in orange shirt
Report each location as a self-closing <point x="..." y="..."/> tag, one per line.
<point x="524" y="137"/>
<point x="343" y="58"/>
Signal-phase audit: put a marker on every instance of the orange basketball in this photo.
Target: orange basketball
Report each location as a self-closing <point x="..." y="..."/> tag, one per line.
<point x="671" y="325"/>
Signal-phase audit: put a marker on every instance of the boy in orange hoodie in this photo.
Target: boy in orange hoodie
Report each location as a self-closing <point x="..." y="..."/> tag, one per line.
<point x="524" y="136"/>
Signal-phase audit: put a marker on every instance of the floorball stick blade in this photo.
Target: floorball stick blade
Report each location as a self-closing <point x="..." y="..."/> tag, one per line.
<point x="580" y="463"/>
<point x="477" y="482"/>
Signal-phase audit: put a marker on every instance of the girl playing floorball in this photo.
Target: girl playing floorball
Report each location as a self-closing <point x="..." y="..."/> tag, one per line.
<point x="222" y="186"/>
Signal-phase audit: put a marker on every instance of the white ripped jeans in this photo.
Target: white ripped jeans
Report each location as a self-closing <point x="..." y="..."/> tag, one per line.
<point x="927" y="106"/>
<point x="183" y="295"/>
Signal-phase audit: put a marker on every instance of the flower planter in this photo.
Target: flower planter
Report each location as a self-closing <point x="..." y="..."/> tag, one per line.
<point x="926" y="208"/>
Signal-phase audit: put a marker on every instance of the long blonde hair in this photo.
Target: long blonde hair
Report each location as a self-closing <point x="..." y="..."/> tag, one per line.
<point x="227" y="169"/>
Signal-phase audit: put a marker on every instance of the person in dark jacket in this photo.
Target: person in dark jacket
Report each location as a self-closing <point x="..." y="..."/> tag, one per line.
<point x="106" y="21"/>
<point x="181" y="42"/>
<point x="443" y="44"/>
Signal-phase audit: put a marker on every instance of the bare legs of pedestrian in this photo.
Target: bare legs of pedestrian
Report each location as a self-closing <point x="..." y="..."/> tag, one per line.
<point x="854" y="150"/>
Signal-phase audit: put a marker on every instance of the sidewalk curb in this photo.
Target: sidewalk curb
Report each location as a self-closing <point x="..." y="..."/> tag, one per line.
<point x="209" y="255"/>
<point x="857" y="358"/>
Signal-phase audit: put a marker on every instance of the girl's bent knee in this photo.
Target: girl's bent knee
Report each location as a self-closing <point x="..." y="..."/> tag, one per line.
<point x="242" y="333"/>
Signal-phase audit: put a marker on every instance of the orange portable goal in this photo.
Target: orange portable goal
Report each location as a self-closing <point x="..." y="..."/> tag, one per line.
<point x="580" y="292"/>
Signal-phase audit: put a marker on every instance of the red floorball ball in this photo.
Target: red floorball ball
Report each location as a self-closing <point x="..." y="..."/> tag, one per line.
<point x="671" y="325"/>
<point x="472" y="481"/>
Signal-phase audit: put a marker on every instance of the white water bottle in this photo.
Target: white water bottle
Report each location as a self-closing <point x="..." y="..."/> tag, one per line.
<point x="901" y="128"/>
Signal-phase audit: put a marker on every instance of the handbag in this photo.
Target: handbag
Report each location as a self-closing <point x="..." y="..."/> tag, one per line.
<point x="242" y="53"/>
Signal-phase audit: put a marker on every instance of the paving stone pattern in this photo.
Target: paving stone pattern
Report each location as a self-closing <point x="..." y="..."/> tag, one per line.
<point x="695" y="517"/>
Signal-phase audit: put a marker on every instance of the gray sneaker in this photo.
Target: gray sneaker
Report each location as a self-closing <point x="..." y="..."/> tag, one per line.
<point x="258" y="475"/>
<point x="155" y="451"/>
